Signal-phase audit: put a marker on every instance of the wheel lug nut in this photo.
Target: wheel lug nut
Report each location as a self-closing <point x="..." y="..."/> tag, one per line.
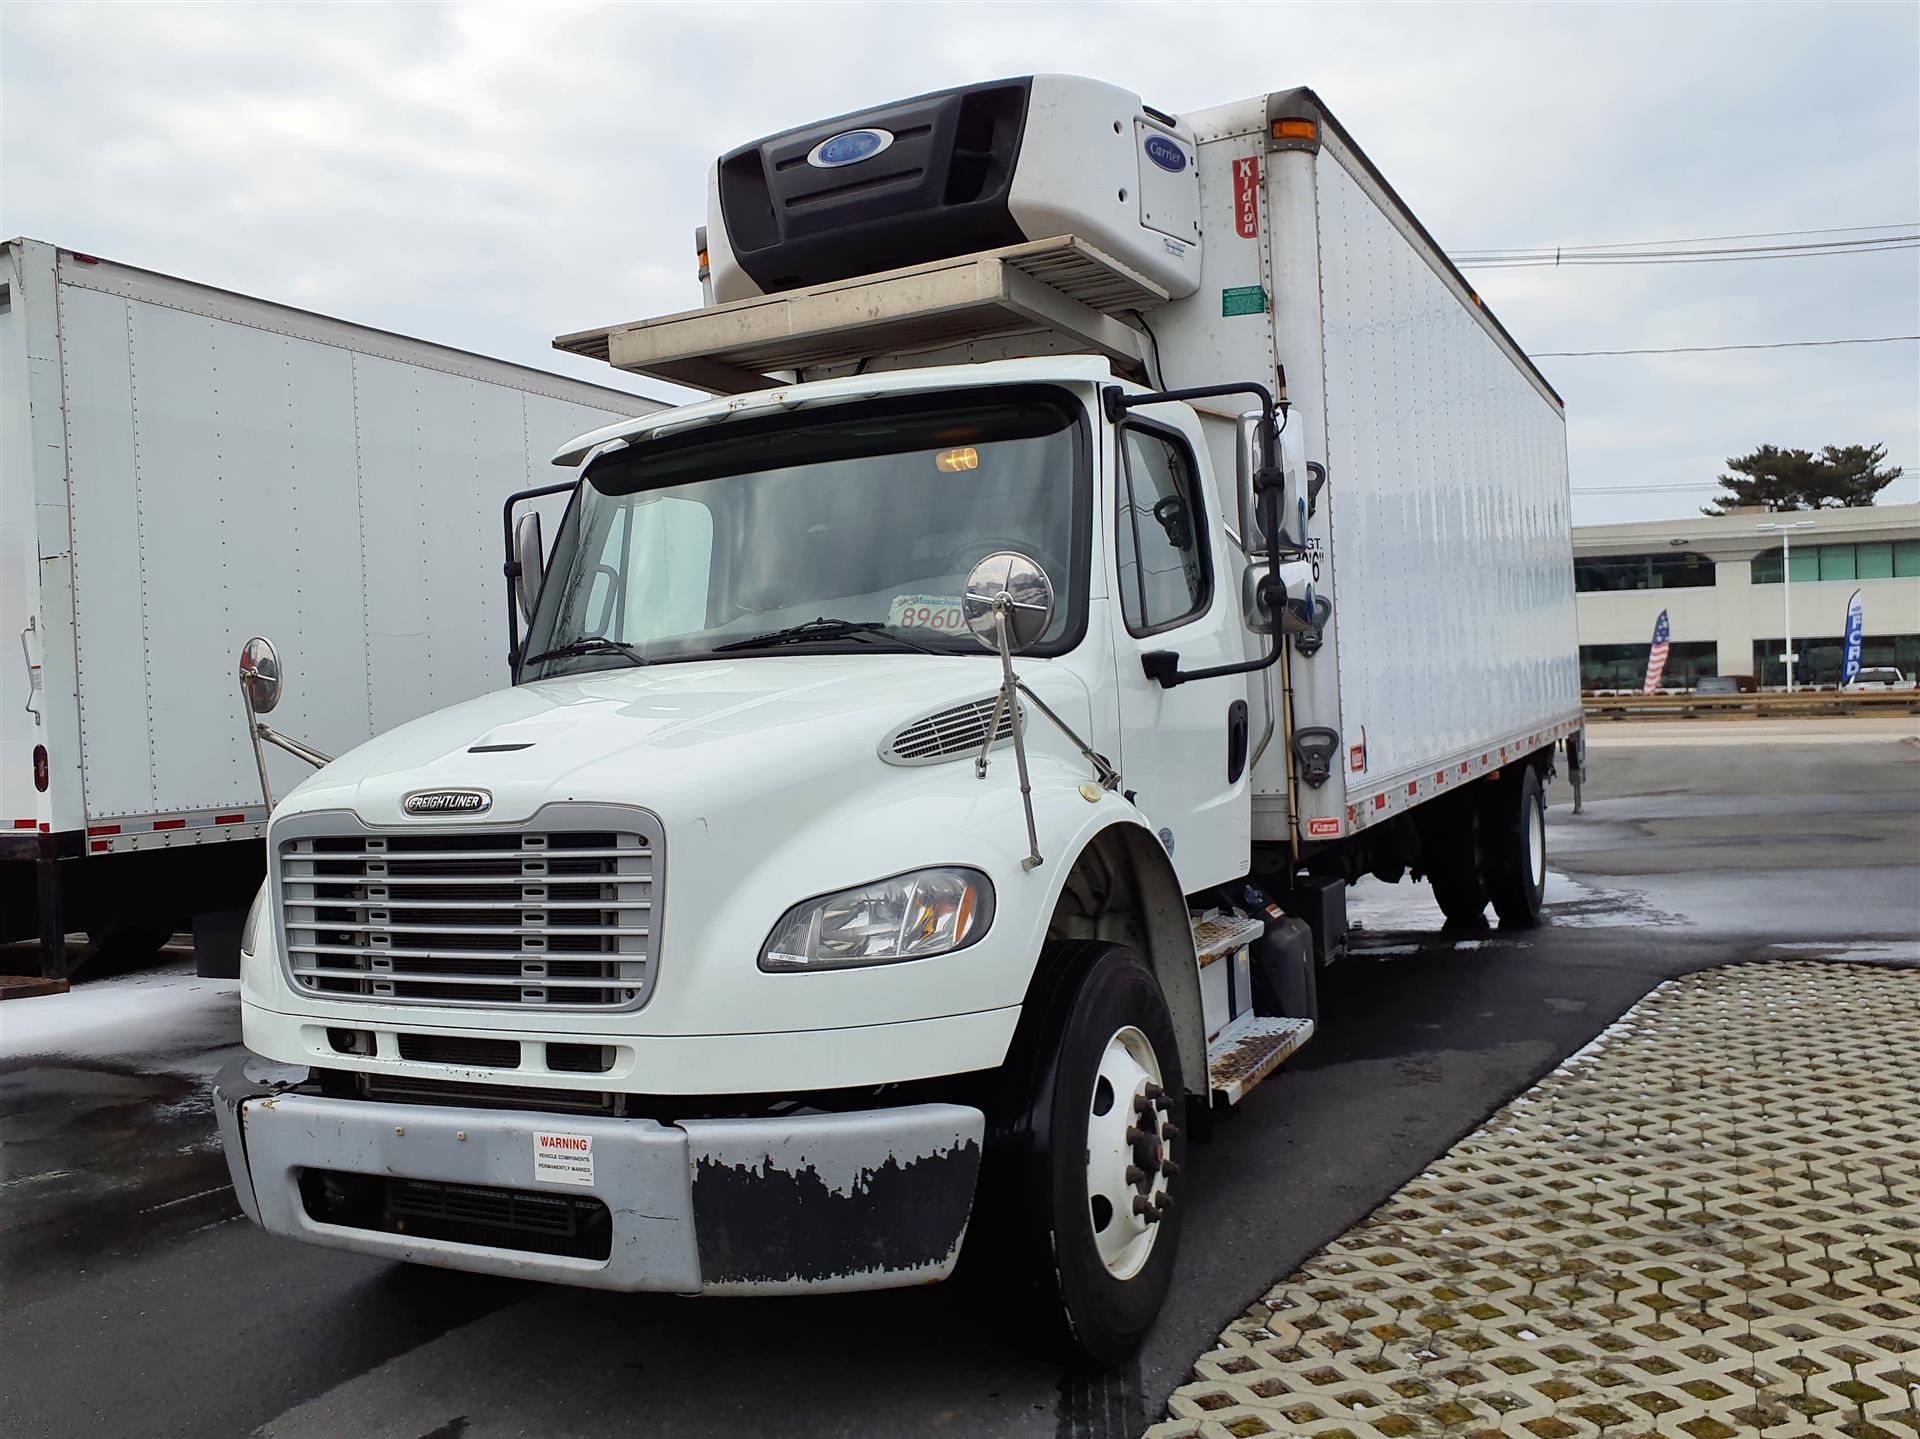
<point x="1169" y="1131"/>
<point x="1145" y="1210"/>
<point x="1136" y="1175"/>
<point x="1169" y="1168"/>
<point x="1153" y="1091"/>
<point x="1163" y="1202"/>
<point x="1134" y="1136"/>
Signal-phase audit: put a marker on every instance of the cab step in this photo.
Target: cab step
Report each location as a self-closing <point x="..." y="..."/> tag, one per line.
<point x="1248" y="1050"/>
<point x="1216" y="935"/>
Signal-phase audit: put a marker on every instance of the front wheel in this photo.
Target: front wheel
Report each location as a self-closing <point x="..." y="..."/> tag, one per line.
<point x="1085" y="1198"/>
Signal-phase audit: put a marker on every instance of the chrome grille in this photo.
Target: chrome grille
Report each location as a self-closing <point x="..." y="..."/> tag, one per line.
<point x="478" y="917"/>
<point x="947" y="734"/>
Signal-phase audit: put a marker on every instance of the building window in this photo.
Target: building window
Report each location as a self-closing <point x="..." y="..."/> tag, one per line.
<point x="1874" y="561"/>
<point x="1667" y="570"/>
<point x="1820" y="659"/>
<point x="1869" y="560"/>
<point x="1624" y="667"/>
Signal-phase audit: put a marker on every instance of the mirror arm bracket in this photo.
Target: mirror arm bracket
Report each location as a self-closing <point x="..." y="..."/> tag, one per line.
<point x="292" y="746"/>
<point x="1163" y="666"/>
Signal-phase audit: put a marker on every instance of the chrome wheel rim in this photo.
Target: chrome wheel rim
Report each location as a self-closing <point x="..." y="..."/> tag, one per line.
<point x="1537" y="844"/>
<point x="1129" y="1153"/>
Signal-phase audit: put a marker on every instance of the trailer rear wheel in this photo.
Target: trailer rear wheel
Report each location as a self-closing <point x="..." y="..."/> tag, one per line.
<point x="1451" y="843"/>
<point x="127" y="944"/>
<point x="1082" y="1206"/>
<point x="1513" y="828"/>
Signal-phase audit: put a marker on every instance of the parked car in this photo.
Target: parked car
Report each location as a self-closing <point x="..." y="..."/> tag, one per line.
<point x="1725" y="685"/>
<point x="1878" y="677"/>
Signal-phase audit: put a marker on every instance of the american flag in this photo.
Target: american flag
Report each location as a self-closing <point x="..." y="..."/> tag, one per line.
<point x="1657" y="656"/>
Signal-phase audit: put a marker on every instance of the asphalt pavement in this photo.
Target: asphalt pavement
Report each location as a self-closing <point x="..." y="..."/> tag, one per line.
<point x="135" y="1300"/>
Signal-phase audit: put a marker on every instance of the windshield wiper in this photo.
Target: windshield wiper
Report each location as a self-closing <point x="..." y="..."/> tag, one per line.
<point x="592" y="645"/>
<point x="821" y="629"/>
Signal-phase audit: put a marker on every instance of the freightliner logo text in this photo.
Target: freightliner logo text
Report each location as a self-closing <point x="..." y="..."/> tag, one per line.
<point x="448" y="801"/>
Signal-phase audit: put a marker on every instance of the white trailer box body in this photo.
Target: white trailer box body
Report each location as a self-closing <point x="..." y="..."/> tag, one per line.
<point x="1443" y="534"/>
<point x="185" y="467"/>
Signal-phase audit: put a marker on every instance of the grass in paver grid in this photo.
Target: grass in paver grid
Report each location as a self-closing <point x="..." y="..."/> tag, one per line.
<point x="1706" y="1223"/>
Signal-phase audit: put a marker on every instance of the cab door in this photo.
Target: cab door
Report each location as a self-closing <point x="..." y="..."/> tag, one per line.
<point x="1183" y="750"/>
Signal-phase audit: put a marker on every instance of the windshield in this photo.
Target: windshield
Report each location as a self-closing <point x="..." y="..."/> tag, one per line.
<point x="871" y="514"/>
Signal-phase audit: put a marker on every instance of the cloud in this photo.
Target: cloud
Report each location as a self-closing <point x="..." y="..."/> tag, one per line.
<point x="492" y="176"/>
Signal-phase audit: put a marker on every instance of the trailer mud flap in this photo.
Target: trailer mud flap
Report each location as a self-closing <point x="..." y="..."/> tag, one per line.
<point x="871" y="1200"/>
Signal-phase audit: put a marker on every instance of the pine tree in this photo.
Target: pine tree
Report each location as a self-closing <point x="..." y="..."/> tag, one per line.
<point x="1775" y="479"/>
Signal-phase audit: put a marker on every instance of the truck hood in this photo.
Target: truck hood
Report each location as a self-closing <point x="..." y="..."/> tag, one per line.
<point x="673" y="737"/>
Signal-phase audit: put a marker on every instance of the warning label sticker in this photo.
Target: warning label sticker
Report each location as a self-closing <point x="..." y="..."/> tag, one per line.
<point x="1243" y="300"/>
<point x="563" y="1158"/>
<point x="1246" y="197"/>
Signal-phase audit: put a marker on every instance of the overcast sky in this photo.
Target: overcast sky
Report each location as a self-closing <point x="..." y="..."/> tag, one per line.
<point x="491" y="177"/>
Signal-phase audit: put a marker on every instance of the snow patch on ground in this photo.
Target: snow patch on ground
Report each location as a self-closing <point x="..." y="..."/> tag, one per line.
<point x="1880" y="952"/>
<point x="165" y="1020"/>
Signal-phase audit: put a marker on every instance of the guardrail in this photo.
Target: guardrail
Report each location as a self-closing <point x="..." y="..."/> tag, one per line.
<point x="1769" y="705"/>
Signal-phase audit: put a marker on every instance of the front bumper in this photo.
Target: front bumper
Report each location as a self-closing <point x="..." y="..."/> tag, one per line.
<point x="810" y="1203"/>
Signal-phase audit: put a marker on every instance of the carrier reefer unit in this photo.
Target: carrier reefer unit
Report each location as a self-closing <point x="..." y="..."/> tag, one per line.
<point x="930" y="776"/>
<point x="181" y="463"/>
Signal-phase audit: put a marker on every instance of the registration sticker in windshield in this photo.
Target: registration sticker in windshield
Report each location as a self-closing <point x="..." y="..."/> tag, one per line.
<point x="926" y="612"/>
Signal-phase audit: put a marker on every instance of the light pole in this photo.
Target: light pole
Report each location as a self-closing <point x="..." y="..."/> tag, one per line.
<point x="1785" y="532"/>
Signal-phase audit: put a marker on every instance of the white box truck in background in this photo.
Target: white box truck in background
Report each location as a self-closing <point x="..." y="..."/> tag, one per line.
<point x="934" y="767"/>
<point x="180" y="463"/>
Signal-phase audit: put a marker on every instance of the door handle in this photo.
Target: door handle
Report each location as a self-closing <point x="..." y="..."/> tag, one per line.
<point x="1236" y="741"/>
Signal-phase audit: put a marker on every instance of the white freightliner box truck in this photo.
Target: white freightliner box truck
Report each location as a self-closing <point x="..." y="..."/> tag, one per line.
<point x="177" y="463"/>
<point x="933" y="767"/>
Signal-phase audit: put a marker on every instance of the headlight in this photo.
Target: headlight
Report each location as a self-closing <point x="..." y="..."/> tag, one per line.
<point x="250" y="934"/>
<point x="911" y="916"/>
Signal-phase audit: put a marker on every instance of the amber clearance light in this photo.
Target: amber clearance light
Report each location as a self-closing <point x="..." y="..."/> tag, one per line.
<point x="954" y="461"/>
<point x="1295" y="130"/>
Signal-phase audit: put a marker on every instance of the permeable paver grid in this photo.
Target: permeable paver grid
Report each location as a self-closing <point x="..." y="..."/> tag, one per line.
<point x="1707" y="1223"/>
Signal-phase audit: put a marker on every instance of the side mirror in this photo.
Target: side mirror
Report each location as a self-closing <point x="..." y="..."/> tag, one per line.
<point x="1297" y="601"/>
<point x="530" y="552"/>
<point x="1012" y="585"/>
<point x="260" y="676"/>
<point x="1293" y="498"/>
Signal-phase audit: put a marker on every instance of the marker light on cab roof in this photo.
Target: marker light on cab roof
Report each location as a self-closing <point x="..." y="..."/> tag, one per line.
<point x="953" y="462"/>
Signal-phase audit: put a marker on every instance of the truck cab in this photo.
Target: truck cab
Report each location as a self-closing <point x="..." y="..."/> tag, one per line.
<point x="864" y="862"/>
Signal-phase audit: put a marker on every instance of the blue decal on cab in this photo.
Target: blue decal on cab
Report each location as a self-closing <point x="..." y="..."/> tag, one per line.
<point x="849" y="148"/>
<point x="1167" y="155"/>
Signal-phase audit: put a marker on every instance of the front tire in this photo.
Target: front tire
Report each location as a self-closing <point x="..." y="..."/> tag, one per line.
<point x="1084" y="1190"/>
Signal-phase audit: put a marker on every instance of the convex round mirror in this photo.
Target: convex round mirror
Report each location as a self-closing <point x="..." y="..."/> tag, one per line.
<point x="1013" y="584"/>
<point x="260" y="674"/>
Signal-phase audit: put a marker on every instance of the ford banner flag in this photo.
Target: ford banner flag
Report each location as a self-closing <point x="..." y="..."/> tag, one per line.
<point x="1657" y="656"/>
<point x="1856" y="625"/>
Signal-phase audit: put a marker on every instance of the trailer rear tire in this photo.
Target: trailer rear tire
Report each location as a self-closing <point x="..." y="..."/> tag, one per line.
<point x="127" y="944"/>
<point x="1513" y="831"/>
<point x="1451" y="843"/>
<point x="1061" y="1214"/>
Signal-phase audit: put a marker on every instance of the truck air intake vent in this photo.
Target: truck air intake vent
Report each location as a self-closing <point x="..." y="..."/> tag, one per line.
<point x="561" y="916"/>
<point x="947" y="734"/>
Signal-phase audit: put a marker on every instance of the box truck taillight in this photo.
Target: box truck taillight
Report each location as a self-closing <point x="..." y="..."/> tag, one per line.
<point x="40" y="768"/>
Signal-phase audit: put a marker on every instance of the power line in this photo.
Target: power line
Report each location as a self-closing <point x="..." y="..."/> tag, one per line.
<point x="1705" y="349"/>
<point x="1488" y="251"/>
<point x="1702" y="257"/>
